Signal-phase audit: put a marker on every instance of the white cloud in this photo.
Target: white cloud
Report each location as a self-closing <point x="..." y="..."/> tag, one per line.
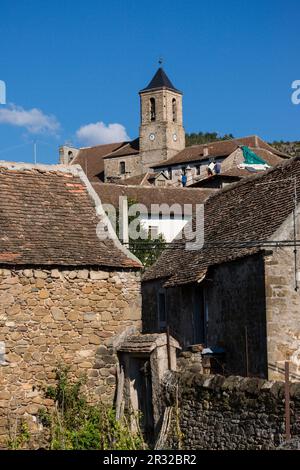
<point x="34" y="120"/>
<point x="98" y="133"/>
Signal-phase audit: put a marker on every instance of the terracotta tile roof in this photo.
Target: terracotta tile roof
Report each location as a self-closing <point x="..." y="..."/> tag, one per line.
<point x="222" y="148"/>
<point x="138" y="180"/>
<point x="48" y="216"/>
<point x="109" y="194"/>
<point x="237" y="220"/>
<point x="129" y="148"/>
<point x="146" y="179"/>
<point x="229" y="176"/>
<point x="269" y="156"/>
<point x="91" y="158"/>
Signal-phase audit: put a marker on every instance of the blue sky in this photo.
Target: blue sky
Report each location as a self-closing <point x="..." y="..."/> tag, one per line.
<point x="68" y="64"/>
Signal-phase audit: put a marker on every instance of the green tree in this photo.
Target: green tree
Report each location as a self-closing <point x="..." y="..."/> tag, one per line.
<point x="196" y="138"/>
<point x="147" y="250"/>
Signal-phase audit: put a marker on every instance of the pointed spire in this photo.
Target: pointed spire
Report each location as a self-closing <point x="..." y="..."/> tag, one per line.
<point x="160" y="80"/>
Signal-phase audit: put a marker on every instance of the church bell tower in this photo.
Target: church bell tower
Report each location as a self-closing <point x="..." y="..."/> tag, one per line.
<point x="161" y="131"/>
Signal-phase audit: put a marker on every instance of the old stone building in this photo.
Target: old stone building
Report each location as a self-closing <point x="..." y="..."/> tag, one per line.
<point x="238" y="295"/>
<point x="160" y="147"/>
<point x="69" y="291"/>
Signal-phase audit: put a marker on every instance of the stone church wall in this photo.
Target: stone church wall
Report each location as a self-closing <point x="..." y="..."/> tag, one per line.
<point x="133" y="167"/>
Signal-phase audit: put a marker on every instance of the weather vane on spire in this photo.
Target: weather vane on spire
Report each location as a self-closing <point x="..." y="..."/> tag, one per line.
<point x="160" y="61"/>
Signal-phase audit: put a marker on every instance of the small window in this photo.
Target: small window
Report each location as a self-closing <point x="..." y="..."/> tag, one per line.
<point x="162" y="317"/>
<point x="160" y="215"/>
<point x="152" y="109"/>
<point x="174" y="110"/>
<point x="153" y="231"/>
<point x="172" y="215"/>
<point x="122" y="168"/>
<point x="198" y="170"/>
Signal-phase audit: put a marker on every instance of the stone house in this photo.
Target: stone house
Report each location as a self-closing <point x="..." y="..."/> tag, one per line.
<point x="238" y="295"/>
<point x="148" y="179"/>
<point x="69" y="291"/>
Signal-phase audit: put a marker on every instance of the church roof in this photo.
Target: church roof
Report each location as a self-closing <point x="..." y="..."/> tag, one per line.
<point x="160" y="80"/>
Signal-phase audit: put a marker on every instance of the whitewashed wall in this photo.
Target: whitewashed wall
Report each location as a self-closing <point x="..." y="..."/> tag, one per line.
<point x="169" y="228"/>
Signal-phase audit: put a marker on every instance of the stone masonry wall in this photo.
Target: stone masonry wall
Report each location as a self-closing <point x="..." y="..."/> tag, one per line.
<point x="283" y="326"/>
<point x="237" y="308"/>
<point x="52" y="316"/>
<point x="181" y="303"/>
<point x="232" y="413"/>
<point x="234" y="300"/>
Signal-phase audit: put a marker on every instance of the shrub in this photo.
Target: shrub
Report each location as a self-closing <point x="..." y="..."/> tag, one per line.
<point x="74" y="424"/>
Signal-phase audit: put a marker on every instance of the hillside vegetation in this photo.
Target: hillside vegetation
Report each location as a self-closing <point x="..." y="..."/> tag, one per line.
<point x="196" y="138"/>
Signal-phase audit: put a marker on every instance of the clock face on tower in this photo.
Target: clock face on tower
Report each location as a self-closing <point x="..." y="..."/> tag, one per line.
<point x="174" y="137"/>
<point x="152" y="136"/>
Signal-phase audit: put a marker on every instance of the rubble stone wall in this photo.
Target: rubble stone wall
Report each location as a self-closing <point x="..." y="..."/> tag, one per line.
<point x="112" y="167"/>
<point x="70" y="317"/>
<point x="232" y="413"/>
<point x="282" y="312"/>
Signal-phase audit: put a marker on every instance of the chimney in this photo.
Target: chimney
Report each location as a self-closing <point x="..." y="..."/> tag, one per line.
<point x="205" y="151"/>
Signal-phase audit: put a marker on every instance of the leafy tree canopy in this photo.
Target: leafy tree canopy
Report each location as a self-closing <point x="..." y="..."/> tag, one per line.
<point x="195" y="138"/>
